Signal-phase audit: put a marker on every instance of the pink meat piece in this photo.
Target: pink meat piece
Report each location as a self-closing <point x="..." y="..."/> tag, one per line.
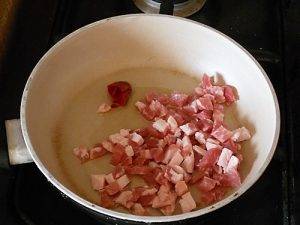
<point x="209" y="146"/>
<point x="172" y="149"/>
<point x="200" y="137"/>
<point x="168" y="210"/>
<point x="207" y="184"/>
<point x="129" y="151"/>
<point x="172" y="122"/>
<point x="113" y="188"/>
<point x="204" y="104"/>
<point x="103" y="108"/>
<point x="140" y="105"/>
<point x="194" y="106"/>
<point x="161" y="125"/>
<point x="109" y="178"/>
<point x="181" y="188"/>
<point x="204" y="115"/>
<point x="176" y="159"/>
<point x="218" y="93"/>
<point x="199" y="150"/>
<point x="187" y="202"/>
<point x="188" y="163"/>
<point x="146" y="154"/>
<point x="224" y="158"/>
<point x="180" y="170"/>
<point x="177" y="116"/>
<point x="241" y="134"/>
<point x="229" y="179"/>
<point x="189" y="128"/>
<point x="82" y="154"/>
<point x="123" y="181"/>
<point x="229" y="94"/>
<point x="118" y="171"/>
<point x="206" y="82"/>
<point x="230" y="144"/>
<point x="159" y="109"/>
<point x="107" y="145"/>
<point x="207" y="125"/>
<point x="157" y="154"/>
<point x="118" y="138"/>
<point x="179" y="99"/>
<point x="125" y="132"/>
<point x="163" y="197"/>
<point x="138" y="209"/>
<point x="210" y="158"/>
<point x="186" y="145"/>
<point x="97" y="152"/>
<point x="98" y="181"/>
<point x="138" y="139"/>
<point x="148" y="114"/>
<point x="124" y="199"/>
<point x="232" y="164"/>
<point x="172" y="176"/>
<point x="221" y="133"/>
<point x="213" y="141"/>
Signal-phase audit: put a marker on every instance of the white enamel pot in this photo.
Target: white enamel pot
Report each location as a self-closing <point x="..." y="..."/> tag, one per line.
<point x="145" y="41"/>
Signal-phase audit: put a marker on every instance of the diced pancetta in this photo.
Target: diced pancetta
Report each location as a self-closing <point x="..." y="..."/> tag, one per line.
<point x="233" y="164"/>
<point x="199" y="150"/>
<point x="224" y="158"/>
<point x="123" y="181"/>
<point x="221" y="133"/>
<point x="113" y="188"/>
<point x="98" y="181"/>
<point x="82" y="154"/>
<point x="125" y="132"/>
<point x="209" y="146"/>
<point x="118" y="138"/>
<point x="172" y="122"/>
<point x="199" y="91"/>
<point x="204" y="103"/>
<point x="200" y="137"/>
<point x="241" y="134"/>
<point x="135" y="137"/>
<point x="107" y="146"/>
<point x="109" y="178"/>
<point x="186" y="144"/>
<point x="187" y="202"/>
<point x="181" y="188"/>
<point x="172" y="149"/>
<point x="207" y="184"/>
<point x="189" y="128"/>
<point x="210" y="158"/>
<point x="129" y="150"/>
<point x="229" y="94"/>
<point x="140" y="105"/>
<point x="178" y="99"/>
<point x="176" y="159"/>
<point x="188" y="163"/>
<point x="206" y="82"/>
<point x="97" y="152"/>
<point x="161" y="125"/>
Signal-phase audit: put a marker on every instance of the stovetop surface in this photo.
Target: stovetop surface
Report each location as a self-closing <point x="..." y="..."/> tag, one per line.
<point x="263" y="27"/>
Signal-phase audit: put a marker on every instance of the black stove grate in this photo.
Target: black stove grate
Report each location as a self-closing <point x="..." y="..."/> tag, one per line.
<point x="26" y="196"/>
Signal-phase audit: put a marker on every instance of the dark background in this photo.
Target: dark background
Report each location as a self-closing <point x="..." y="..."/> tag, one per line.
<point x="269" y="29"/>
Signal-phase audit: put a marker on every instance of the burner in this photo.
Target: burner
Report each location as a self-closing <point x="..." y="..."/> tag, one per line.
<point x="183" y="8"/>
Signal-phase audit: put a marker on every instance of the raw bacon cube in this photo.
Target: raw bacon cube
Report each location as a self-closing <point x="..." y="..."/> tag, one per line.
<point x="123" y="181"/>
<point x="137" y="138"/>
<point x="82" y="154"/>
<point x="103" y="108"/>
<point x="189" y="129"/>
<point x="176" y="159"/>
<point x="241" y="134"/>
<point x="138" y="209"/>
<point x="222" y="134"/>
<point x="161" y="125"/>
<point x="187" y="202"/>
<point x="181" y="188"/>
<point x="207" y="184"/>
<point x="97" y="152"/>
<point x="98" y="181"/>
<point x="204" y="103"/>
<point x="224" y="158"/>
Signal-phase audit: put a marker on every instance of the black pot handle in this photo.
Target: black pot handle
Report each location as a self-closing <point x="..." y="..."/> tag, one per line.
<point x="167" y="7"/>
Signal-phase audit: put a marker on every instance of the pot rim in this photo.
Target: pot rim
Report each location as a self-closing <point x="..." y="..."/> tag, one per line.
<point x="130" y="217"/>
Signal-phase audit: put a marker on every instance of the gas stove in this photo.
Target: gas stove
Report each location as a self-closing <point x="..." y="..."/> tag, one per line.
<point x="263" y="27"/>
